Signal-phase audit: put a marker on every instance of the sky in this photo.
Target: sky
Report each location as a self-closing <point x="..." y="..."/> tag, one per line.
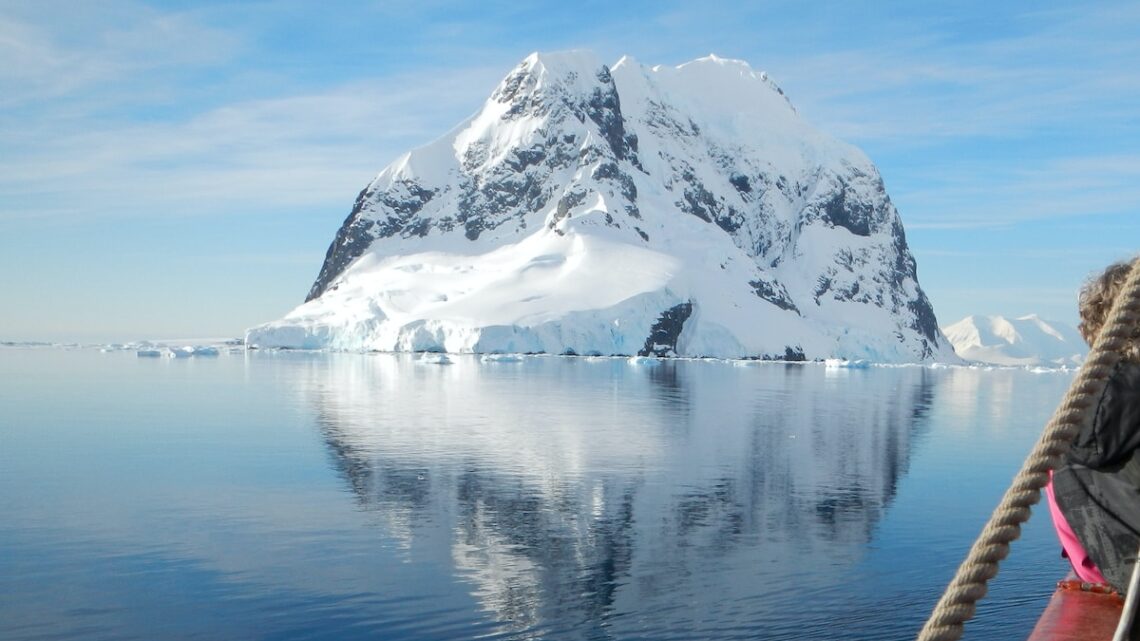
<point x="178" y="169"/>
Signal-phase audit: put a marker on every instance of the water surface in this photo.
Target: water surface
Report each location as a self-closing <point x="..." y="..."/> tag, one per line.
<point x="343" y="496"/>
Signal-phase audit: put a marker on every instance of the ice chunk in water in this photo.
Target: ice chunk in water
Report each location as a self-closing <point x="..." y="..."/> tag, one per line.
<point x="502" y="358"/>
<point x="431" y="358"/>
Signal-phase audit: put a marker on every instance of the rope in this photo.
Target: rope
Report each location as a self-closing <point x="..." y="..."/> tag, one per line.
<point x="968" y="586"/>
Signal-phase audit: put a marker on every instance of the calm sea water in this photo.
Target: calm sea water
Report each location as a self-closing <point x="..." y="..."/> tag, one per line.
<point x="345" y="496"/>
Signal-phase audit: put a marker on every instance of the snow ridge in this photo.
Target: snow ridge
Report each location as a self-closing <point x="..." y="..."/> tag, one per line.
<point x="1027" y="340"/>
<point x="591" y="209"/>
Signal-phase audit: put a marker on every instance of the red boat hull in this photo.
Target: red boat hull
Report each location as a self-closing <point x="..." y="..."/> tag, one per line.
<point x="1078" y="615"/>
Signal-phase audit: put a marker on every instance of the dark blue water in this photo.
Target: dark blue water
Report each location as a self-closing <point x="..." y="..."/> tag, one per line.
<point x="315" y="496"/>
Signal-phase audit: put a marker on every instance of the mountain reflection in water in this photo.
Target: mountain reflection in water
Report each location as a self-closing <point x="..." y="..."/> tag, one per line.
<point x="290" y="495"/>
<point x="600" y="499"/>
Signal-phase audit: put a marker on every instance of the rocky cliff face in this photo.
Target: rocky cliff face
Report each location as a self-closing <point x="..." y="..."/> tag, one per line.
<point x="590" y="209"/>
<point x="579" y="123"/>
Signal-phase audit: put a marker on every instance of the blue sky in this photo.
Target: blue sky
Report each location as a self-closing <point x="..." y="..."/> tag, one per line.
<point x="177" y="169"/>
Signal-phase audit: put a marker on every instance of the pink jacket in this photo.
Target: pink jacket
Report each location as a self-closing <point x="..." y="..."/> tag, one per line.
<point x="1084" y="567"/>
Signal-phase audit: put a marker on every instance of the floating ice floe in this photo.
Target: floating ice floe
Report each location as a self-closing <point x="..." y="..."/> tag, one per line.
<point x="643" y="360"/>
<point x="839" y="363"/>
<point x="502" y="358"/>
<point x="184" y="351"/>
<point x="431" y="358"/>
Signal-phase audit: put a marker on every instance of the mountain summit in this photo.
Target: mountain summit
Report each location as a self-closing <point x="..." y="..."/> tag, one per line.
<point x="1027" y="340"/>
<point x="592" y="209"/>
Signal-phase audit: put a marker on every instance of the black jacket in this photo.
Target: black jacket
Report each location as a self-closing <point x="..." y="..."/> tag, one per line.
<point x="1114" y="434"/>
<point x="1098" y="486"/>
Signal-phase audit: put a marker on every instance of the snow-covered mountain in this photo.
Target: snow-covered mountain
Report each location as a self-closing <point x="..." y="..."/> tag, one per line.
<point x="622" y="210"/>
<point x="1027" y="340"/>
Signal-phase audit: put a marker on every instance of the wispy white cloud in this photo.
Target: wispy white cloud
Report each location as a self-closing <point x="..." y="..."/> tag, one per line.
<point x="97" y="47"/>
<point x="871" y="97"/>
<point x="303" y="259"/>
<point x="1067" y="68"/>
<point x="1035" y="254"/>
<point x="1052" y="303"/>
<point x="108" y="114"/>
<point x="995" y="195"/>
<point x="297" y="150"/>
<point x="901" y="91"/>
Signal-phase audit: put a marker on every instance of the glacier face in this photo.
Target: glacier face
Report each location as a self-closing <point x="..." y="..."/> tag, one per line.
<point x="591" y="209"/>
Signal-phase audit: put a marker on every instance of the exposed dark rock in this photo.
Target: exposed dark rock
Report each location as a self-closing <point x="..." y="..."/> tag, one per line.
<point x="854" y="215"/>
<point x="511" y="85"/>
<point x="852" y="293"/>
<point x="742" y="184"/>
<point x="568" y="201"/>
<point x="924" y="321"/>
<point x="662" y="340"/>
<point x="698" y="201"/>
<point x="604" y="108"/>
<point x="767" y="215"/>
<point x="794" y="353"/>
<point x="822" y="286"/>
<point x="611" y="171"/>
<point x="661" y="119"/>
<point x="702" y="203"/>
<point x="731" y="220"/>
<point x="402" y="203"/>
<point x="774" y="293"/>
<point x="419" y="227"/>
<point x="520" y="159"/>
<point x="473" y="227"/>
<point x="445" y="224"/>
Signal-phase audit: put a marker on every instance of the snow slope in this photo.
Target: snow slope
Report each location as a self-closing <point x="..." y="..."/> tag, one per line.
<point x="624" y="210"/>
<point x="1027" y="340"/>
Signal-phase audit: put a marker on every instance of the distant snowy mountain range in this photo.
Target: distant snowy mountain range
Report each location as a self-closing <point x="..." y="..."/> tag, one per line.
<point x="1028" y="340"/>
<point x="592" y="209"/>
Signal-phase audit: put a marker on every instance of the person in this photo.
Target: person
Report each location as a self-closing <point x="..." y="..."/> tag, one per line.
<point x="1094" y="496"/>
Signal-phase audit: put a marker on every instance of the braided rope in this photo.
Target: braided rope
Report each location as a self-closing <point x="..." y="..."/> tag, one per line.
<point x="968" y="586"/>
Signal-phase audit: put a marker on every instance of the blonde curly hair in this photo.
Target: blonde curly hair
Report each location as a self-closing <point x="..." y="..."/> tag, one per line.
<point x="1095" y="302"/>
